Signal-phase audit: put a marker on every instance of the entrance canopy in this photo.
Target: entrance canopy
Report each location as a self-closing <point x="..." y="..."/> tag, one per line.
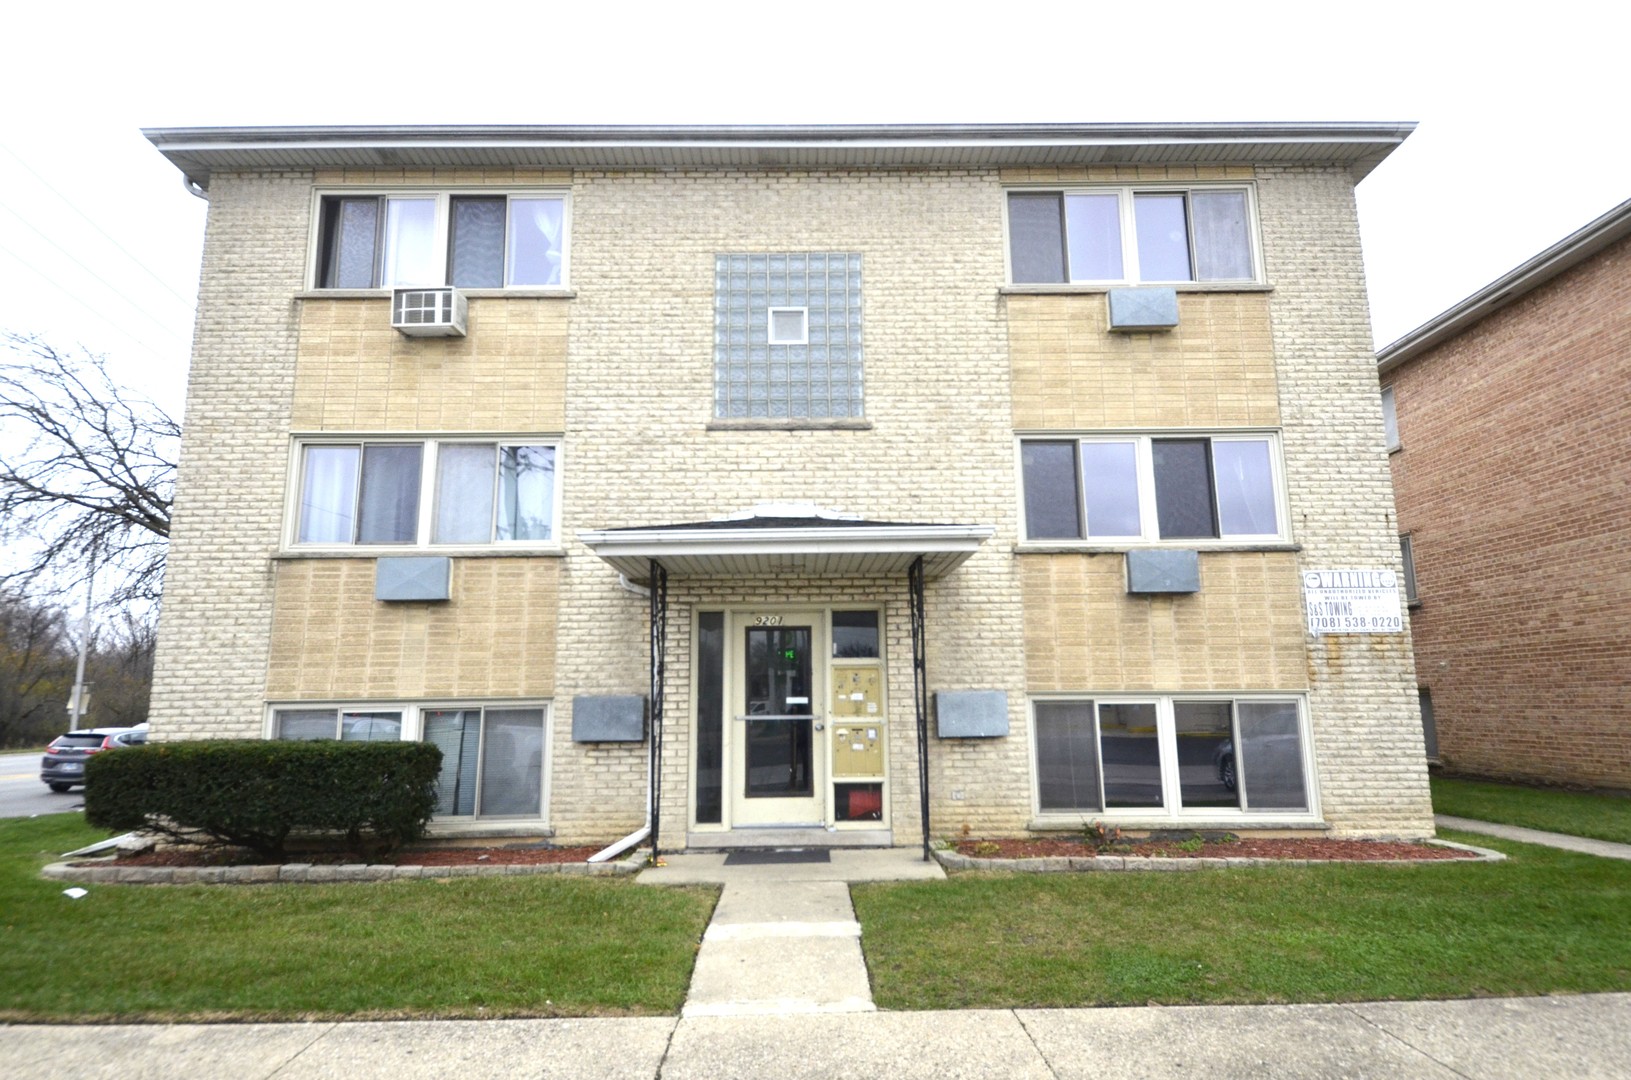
<point x="787" y="539"/>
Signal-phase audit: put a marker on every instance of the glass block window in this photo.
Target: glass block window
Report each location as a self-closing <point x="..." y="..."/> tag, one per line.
<point x="820" y="379"/>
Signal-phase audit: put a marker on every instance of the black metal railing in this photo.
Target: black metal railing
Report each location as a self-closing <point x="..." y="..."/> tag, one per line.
<point x="920" y="693"/>
<point x="659" y="639"/>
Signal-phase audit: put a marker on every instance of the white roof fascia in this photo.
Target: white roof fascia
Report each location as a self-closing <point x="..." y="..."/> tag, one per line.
<point x="777" y="541"/>
<point x="199" y="151"/>
<point x="1561" y="257"/>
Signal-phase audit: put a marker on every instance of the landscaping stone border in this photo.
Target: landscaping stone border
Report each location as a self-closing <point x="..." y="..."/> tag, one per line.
<point x="109" y="873"/>
<point x="1064" y="864"/>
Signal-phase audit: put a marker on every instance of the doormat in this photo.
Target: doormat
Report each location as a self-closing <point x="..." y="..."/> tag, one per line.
<point x="773" y="858"/>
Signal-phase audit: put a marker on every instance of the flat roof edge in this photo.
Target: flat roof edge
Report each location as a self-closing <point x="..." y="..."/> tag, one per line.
<point x="770" y="134"/>
<point x="198" y="151"/>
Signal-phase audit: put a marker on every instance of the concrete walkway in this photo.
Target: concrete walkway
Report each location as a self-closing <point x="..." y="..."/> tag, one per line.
<point x="1604" y="848"/>
<point x="1521" y="1038"/>
<point x="783" y="940"/>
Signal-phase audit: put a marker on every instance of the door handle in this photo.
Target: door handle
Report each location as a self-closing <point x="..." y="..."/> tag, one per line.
<point x="821" y="727"/>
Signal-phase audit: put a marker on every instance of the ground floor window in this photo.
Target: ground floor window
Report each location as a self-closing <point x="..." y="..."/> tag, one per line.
<point x="492" y="755"/>
<point x="1171" y="755"/>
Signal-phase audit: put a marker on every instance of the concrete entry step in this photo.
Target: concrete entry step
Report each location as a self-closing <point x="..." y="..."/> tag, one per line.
<point x="788" y="838"/>
<point x="844" y="864"/>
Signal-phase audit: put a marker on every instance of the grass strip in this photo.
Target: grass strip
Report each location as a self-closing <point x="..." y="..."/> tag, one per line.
<point x="476" y="947"/>
<point x="1601" y="817"/>
<point x="1542" y="922"/>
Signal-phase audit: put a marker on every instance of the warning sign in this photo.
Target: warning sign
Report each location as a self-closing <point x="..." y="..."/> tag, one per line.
<point x="1352" y="601"/>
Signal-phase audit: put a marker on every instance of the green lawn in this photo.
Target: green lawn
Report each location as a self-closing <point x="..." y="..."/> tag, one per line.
<point x="531" y="946"/>
<point x="1602" y="817"/>
<point x="1544" y="921"/>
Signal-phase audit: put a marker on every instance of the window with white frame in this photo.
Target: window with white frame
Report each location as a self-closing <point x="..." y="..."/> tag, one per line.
<point x="492" y="755"/>
<point x="475" y="240"/>
<point x="426" y="492"/>
<point x="1132" y="234"/>
<point x="1143" y="488"/>
<point x="1165" y="756"/>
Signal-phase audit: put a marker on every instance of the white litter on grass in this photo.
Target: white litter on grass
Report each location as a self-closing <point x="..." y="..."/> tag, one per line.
<point x="100" y="845"/>
<point x="74" y="893"/>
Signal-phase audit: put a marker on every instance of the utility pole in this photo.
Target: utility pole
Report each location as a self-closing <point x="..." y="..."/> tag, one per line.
<point x="77" y="704"/>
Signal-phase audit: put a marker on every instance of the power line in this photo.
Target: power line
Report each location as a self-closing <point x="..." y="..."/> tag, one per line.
<point x="65" y="201"/>
<point x="139" y="308"/>
<point x="70" y="294"/>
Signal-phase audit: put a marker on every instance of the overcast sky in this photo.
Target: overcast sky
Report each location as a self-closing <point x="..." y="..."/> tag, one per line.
<point x="1522" y="113"/>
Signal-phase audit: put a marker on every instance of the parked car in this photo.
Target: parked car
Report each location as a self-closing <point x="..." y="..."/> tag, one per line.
<point x="63" y="765"/>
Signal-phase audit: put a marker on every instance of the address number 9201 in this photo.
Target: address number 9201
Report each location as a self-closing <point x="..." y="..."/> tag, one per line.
<point x="767" y="620"/>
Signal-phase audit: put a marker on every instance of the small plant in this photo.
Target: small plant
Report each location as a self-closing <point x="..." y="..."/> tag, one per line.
<point x="1101" y="837"/>
<point x="966" y="831"/>
<point x="986" y="848"/>
<point x="1194" y="843"/>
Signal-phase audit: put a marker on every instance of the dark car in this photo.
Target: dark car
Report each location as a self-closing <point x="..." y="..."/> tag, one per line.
<point x="63" y="765"/>
<point x="1223" y="760"/>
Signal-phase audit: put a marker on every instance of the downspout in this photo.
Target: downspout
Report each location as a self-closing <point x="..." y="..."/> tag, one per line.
<point x="617" y="848"/>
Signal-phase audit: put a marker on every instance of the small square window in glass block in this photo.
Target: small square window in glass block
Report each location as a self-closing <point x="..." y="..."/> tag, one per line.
<point x="789" y="326"/>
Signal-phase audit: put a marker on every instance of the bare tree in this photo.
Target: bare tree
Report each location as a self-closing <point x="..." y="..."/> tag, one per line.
<point x="36" y="669"/>
<point x="86" y="466"/>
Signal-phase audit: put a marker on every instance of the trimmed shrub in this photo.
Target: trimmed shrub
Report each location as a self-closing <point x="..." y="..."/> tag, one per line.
<point x="257" y="794"/>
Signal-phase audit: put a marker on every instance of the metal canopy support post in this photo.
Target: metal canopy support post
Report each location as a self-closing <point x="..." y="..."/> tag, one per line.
<point x="659" y="639"/>
<point x="920" y="693"/>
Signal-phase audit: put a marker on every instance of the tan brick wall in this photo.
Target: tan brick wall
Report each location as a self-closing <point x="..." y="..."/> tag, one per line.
<point x="1122" y="174"/>
<point x="444" y="177"/>
<point x="1366" y="725"/>
<point x="1070" y="372"/>
<point x="216" y="625"/>
<point x="508" y="374"/>
<point x="1514" y="487"/>
<point x="494" y="639"/>
<point x="1083" y="632"/>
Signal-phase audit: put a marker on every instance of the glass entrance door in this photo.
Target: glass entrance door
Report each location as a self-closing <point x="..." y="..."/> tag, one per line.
<point x="779" y="764"/>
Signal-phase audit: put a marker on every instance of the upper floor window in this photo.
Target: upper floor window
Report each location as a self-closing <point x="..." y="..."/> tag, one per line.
<point x="1129" y="488"/>
<point x="474" y="241"/>
<point x="426" y="492"/>
<point x="1390" y="419"/>
<point x="1407" y="556"/>
<point x="1131" y="234"/>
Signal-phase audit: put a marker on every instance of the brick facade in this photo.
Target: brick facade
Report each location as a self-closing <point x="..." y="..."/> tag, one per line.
<point x="1513" y="486"/>
<point x="620" y="370"/>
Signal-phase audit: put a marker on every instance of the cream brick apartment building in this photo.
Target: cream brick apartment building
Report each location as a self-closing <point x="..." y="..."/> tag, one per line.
<point x="831" y="485"/>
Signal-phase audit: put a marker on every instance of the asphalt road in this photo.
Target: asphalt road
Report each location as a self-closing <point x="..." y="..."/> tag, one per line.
<point x="22" y="794"/>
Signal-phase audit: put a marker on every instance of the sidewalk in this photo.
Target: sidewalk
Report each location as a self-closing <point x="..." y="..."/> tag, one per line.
<point x="1605" y="848"/>
<point x="1521" y="1038"/>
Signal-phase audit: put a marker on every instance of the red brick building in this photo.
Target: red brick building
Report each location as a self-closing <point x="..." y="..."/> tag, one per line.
<point x="1510" y="429"/>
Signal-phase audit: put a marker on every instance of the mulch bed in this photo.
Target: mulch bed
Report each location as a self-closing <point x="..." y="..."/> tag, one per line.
<point x="1246" y="848"/>
<point x="440" y="856"/>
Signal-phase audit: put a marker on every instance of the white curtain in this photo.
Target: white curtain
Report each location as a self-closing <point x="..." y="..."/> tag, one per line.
<point x="328" y="497"/>
<point x="410" y="243"/>
<point x="464" y="493"/>
<point x="535" y="242"/>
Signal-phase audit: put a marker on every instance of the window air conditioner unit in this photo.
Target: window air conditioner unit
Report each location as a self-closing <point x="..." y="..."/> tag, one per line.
<point x="429" y="312"/>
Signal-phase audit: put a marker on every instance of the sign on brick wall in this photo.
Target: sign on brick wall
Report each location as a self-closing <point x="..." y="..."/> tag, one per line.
<point x="1352" y="601"/>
